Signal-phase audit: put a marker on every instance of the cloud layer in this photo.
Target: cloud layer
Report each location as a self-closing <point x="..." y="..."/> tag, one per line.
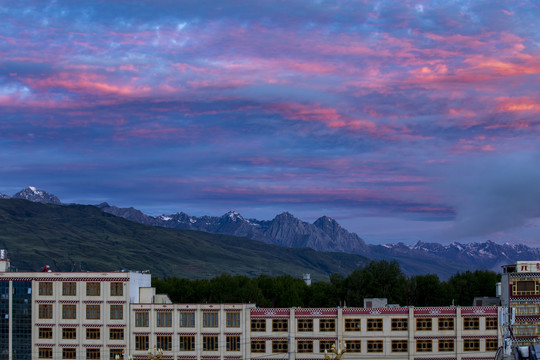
<point x="353" y="109"/>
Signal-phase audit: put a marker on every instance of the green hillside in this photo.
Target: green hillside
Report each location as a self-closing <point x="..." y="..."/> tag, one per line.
<point x="81" y="237"/>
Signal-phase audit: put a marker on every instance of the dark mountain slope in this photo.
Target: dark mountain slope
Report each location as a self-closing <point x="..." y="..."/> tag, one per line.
<point x="75" y="237"/>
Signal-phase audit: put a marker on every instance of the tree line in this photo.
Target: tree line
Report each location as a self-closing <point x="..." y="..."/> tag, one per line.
<point x="379" y="279"/>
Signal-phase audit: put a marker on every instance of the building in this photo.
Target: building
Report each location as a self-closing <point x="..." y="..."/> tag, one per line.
<point x="53" y="315"/>
<point x="520" y="292"/>
<point x="75" y="315"/>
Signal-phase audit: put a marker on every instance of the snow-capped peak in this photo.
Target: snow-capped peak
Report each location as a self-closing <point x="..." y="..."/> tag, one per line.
<point x="234" y="216"/>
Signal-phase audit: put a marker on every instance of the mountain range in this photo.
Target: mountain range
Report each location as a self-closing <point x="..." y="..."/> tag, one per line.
<point x="325" y="234"/>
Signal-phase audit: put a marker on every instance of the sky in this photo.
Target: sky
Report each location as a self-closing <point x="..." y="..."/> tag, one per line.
<point x="402" y="120"/>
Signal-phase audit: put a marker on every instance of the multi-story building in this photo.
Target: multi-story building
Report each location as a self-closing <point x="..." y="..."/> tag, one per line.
<point x="66" y="315"/>
<point x="520" y="292"/>
<point x="53" y="315"/>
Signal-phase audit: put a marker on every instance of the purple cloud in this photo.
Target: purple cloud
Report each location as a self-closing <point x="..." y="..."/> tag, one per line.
<point x="357" y="109"/>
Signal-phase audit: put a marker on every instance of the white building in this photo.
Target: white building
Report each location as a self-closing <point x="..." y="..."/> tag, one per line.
<point x="53" y="315"/>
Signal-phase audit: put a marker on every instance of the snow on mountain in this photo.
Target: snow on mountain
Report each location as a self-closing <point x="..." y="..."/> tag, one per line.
<point x="32" y="194"/>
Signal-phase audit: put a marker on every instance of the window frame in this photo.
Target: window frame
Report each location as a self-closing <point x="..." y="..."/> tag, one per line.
<point x="93" y="334"/>
<point x="232" y="343"/>
<point x="69" y="288"/>
<point x="400" y="346"/>
<point x="45" y="333"/>
<point x="164" y="342"/>
<point x="353" y="324"/>
<point x="45" y="311"/>
<point x="116" y="334"/>
<point x="375" y="324"/>
<point x="93" y="311"/>
<point x="93" y="288"/>
<point x="280" y="346"/>
<point x="142" y="342"/>
<point x="258" y="346"/>
<point x="280" y="325"/>
<point x="210" y="343"/>
<point x="446" y="345"/>
<point x="116" y="288"/>
<point x="45" y="288"/>
<point x="69" y="333"/>
<point x="375" y="346"/>
<point x="327" y="325"/>
<point x="186" y="342"/>
<point x="69" y="311"/>
<point x="424" y="346"/>
<point x="356" y="348"/>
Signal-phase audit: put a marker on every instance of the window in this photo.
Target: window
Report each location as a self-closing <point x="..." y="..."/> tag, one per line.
<point x="233" y="319"/>
<point x="93" y="334"/>
<point x="233" y="343"/>
<point x="423" y="324"/>
<point x="93" y="289"/>
<point x="258" y="346"/>
<point x="114" y="352"/>
<point x="187" y="343"/>
<point x="187" y="319"/>
<point x="45" y="288"/>
<point x="446" y="345"/>
<point x="164" y="342"/>
<point x="69" y="333"/>
<point x="69" y="311"/>
<point x="525" y="287"/>
<point x="353" y="345"/>
<point x="69" y="353"/>
<point x="93" y="353"/>
<point x="45" y="333"/>
<point x="325" y="345"/>
<point x="446" y="324"/>
<point x="93" y="312"/>
<point x="352" y="325"/>
<point x="471" y="345"/>
<point x="280" y="325"/>
<point x="327" y="325"/>
<point x="374" y="346"/>
<point x="492" y="345"/>
<point x="141" y="319"/>
<point x="304" y="346"/>
<point x="374" y="324"/>
<point x="69" y="289"/>
<point x="472" y="323"/>
<point x="280" y="346"/>
<point x="400" y="324"/>
<point x="304" y="325"/>
<point x="424" y="346"/>
<point x="400" y="346"/>
<point x="163" y="319"/>
<point x="491" y="323"/>
<point x="45" y="311"/>
<point x="116" y="334"/>
<point x="210" y="343"/>
<point x="117" y="289"/>
<point x="210" y="319"/>
<point x="141" y="342"/>
<point x="258" y="324"/>
<point x="45" y="353"/>
<point x="117" y="312"/>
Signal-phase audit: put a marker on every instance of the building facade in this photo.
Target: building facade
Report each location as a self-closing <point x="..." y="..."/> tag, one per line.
<point x="53" y="315"/>
<point x="75" y="315"/>
<point x="520" y="292"/>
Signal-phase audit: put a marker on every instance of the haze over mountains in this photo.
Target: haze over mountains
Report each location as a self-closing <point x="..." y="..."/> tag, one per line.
<point x="325" y="234"/>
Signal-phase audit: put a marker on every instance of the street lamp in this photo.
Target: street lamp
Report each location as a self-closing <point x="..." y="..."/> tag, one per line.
<point x="155" y="354"/>
<point x="336" y="353"/>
